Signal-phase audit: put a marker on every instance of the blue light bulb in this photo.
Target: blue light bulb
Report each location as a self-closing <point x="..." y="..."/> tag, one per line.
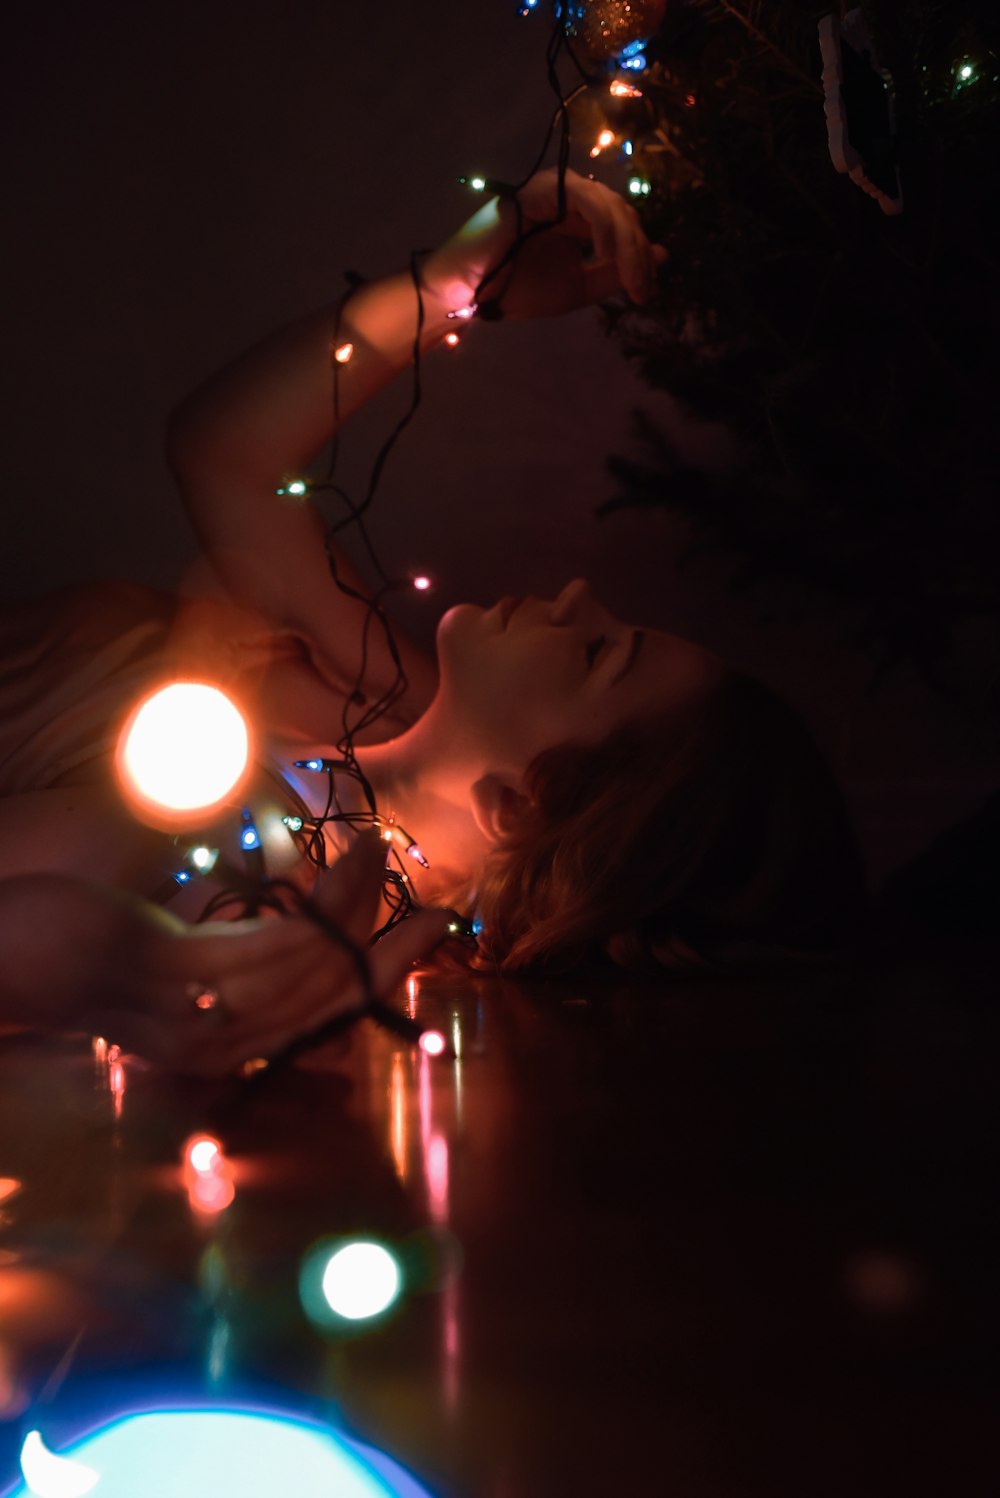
<point x="249" y="837"/>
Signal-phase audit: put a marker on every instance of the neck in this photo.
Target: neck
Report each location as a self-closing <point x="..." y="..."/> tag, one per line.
<point x="423" y="786"/>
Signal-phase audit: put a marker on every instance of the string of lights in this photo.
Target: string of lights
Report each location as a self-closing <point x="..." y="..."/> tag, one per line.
<point x="248" y="890"/>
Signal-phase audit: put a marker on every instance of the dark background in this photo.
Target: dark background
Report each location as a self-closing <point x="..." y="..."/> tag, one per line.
<point x="181" y="178"/>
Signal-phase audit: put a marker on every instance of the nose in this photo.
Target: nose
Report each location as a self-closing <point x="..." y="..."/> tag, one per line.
<point x="575" y="600"/>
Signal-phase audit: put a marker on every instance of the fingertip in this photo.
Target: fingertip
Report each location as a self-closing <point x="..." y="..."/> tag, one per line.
<point x="439" y="925"/>
<point x="369" y="847"/>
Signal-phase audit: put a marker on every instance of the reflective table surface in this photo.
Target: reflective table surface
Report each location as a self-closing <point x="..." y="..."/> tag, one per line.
<point x="700" y="1239"/>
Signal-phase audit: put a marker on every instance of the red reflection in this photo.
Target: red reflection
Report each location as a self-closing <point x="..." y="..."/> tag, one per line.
<point x="208" y="1175"/>
<point x="398" y="1142"/>
<point x="437" y="1177"/>
<point x="211" y="1193"/>
<point x="116" y="1083"/>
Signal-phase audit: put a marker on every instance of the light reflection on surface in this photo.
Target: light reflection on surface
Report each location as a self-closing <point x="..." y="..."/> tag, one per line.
<point x="208" y="1175"/>
<point x="116" y="1086"/>
<point x="437" y="1176"/>
<point x="218" y="1347"/>
<point x="457" y="1046"/>
<point x="398" y="1133"/>
<point x="436" y="1163"/>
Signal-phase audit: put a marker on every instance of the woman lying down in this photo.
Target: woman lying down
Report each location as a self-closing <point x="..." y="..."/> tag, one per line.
<point x="582" y="788"/>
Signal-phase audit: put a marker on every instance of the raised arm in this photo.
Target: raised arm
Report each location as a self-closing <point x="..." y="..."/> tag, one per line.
<point x="266" y="417"/>
<point x="270" y="413"/>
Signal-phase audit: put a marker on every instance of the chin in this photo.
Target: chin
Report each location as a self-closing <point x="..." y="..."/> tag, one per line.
<point x="455" y="621"/>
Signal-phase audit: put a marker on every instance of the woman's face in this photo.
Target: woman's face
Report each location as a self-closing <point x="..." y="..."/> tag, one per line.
<point x="528" y="674"/>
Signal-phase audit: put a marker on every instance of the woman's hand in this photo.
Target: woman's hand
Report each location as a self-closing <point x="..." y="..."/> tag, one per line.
<point x="598" y="250"/>
<point x="85" y="957"/>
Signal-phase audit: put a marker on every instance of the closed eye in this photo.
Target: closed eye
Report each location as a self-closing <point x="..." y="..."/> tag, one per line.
<point x="594" y="648"/>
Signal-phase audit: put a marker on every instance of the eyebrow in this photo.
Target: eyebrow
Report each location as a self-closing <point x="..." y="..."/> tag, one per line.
<point x="637" y="638"/>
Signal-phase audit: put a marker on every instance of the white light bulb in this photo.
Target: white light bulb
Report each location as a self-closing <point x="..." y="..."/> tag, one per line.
<point x="361" y="1280"/>
<point x="184" y="750"/>
<point x="50" y="1476"/>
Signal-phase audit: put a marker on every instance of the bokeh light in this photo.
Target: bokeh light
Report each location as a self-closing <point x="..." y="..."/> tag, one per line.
<point x="432" y="1042"/>
<point x="204" y="1155"/>
<point x="208" y="1175"/>
<point x="361" y="1280"/>
<point x="202" y="1452"/>
<point x="184" y="750"/>
<point x="52" y="1476"/>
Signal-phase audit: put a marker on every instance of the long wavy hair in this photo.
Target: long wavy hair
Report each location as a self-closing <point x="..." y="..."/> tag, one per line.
<point x="712" y="835"/>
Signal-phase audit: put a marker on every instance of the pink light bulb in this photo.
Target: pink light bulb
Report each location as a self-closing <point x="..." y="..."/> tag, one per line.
<point x="432" y="1043"/>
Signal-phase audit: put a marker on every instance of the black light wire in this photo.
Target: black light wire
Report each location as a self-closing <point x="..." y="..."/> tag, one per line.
<point x="310" y="839"/>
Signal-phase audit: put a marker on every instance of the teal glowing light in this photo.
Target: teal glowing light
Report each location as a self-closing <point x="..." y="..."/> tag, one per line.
<point x="203" y="1452"/>
<point x="361" y="1280"/>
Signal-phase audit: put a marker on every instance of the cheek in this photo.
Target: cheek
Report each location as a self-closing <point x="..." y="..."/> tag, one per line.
<point x="525" y="690"/>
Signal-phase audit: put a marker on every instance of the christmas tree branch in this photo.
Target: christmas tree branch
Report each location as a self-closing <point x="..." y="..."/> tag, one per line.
<point x="765" y="40"/>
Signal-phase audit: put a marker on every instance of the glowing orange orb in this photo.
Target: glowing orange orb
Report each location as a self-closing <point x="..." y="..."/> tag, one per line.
<point x="185" y="749"/>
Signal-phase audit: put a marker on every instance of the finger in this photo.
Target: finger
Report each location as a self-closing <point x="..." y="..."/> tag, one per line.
<point x="348" y="894"/>
<point x="590" y="208"/>
<point x="406" y="944"/>
<point x="630" y="252"/>
<point x="601" y="280"/>
<point x="315" y="1004"/>
<point x="329" y="989"/>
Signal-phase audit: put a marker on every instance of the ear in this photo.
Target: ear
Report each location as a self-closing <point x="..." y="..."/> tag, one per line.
<point x="498" y="804"/>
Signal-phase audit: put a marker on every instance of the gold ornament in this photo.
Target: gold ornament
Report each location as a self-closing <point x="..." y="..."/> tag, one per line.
<point x="604" y="27"/>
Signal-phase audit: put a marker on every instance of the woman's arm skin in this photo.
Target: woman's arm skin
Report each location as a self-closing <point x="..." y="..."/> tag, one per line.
<point x="266" y="417"/>
<point x="81" y="956"/>
<point x="269" y="414"/>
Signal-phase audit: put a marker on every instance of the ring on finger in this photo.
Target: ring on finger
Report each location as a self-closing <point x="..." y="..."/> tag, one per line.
<point x="207" y="1001"/>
